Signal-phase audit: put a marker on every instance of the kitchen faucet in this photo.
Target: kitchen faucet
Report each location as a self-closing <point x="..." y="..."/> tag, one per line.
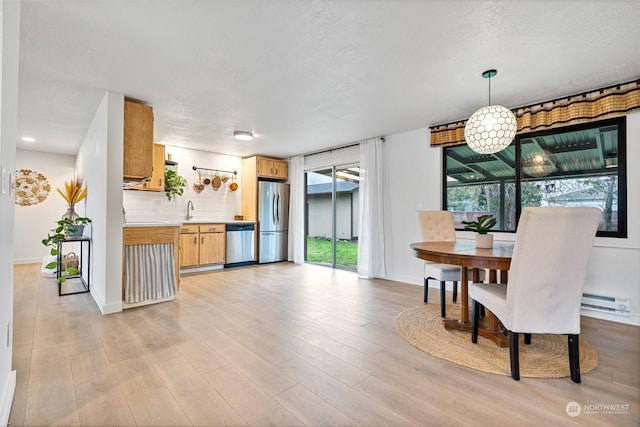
<point x="189" y="209"/>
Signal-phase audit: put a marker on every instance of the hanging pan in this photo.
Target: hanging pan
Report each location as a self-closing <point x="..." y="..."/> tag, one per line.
<point x="198" y="186"/>
<point x="216" y="182"/>
<point x="234" y="185"/>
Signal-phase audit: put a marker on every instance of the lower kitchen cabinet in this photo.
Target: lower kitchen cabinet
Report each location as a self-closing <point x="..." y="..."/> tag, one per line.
<point x="189" y="247"/>
<point x="202" y="245"/>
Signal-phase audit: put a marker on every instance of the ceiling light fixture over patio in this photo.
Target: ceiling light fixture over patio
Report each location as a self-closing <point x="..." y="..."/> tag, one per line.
<point x="243" y="135"/>
<point x="492" y="128"/>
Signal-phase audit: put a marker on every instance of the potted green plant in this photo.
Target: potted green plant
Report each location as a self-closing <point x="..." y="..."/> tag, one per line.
<point x="174" y="183"/>
<point x="66" y="227"/>
<point x="482" y="225"/>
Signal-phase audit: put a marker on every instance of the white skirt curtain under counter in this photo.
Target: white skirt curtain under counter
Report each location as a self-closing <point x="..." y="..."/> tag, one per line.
<point x="149" y="272"/>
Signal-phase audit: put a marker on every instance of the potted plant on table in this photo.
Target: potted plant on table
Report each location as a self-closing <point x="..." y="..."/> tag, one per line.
<point x="65" y="229"/>
<point x="70" y="225"/>
<point x="482" y="225"/>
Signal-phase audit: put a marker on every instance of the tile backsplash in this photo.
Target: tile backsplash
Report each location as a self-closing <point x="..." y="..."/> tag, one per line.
<point x="220" y="205"/>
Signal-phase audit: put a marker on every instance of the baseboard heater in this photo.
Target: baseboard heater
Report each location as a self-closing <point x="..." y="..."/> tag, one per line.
<point x="605" y="304"/>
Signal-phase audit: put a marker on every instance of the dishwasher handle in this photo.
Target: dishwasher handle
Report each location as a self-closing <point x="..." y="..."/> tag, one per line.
<point x="240" y="227"/>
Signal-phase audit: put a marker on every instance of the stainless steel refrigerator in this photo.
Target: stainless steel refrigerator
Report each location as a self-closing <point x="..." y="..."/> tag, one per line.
<point x="273" y="221"/>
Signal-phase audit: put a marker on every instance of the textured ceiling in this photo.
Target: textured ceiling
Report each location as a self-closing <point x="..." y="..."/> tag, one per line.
<point x="307" y="75"/>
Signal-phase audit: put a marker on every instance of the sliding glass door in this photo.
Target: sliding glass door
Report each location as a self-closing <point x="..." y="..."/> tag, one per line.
<point x="332" y="213"/>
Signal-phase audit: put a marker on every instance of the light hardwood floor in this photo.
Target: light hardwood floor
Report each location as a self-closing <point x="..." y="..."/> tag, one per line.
<point x="280" y="344"/>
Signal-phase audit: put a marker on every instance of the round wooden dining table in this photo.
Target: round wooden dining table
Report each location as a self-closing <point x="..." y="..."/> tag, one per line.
<point x="465" y="254"/>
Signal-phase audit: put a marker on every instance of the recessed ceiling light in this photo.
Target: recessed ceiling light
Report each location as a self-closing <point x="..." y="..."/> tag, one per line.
<point x="28" y="139"/>
<point x="243" y="135"/>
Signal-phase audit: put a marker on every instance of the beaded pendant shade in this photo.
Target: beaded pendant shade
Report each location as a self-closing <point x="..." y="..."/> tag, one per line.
<point x="492" y="128"/>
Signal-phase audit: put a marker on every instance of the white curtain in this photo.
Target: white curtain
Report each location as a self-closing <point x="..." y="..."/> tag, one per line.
<point x="296" y="209"/>
<point x="149" y="272"/>
<point x="371" y="230"/>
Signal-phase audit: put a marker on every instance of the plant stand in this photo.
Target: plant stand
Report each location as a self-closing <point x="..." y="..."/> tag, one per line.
<point x="60" y="270"/>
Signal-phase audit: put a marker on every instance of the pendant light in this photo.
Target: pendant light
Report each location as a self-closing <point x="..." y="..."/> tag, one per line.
<point x="492" y="128"/>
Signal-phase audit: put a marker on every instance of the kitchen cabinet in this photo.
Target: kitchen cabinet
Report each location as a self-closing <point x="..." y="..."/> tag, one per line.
<point x="202" y="245"/>
<point x="157" y="176"/>
<point x="138" y="141"/>
<point x="212" y="244"/>
<point x="189" y="246"/>
<point x="272" y="168"/>
<point x="254" y="168"/>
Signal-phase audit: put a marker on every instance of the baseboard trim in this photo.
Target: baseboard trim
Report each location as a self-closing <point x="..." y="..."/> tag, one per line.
<point x="7" y="398"/>
<point x="633" y="319"/>
<point x="27" y="260"/>
<point x="147" y="302"/>
<point x="115" y="307"/>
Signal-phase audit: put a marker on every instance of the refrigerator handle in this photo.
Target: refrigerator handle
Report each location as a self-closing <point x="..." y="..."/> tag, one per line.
<point x="273" y="209"/>
<point x="278" y="209"/>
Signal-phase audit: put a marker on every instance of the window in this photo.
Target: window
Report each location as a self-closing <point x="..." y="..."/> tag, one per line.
<point x="582" y="165"/>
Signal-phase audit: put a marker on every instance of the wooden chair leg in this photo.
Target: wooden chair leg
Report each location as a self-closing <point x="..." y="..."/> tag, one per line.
<point x="426" y="289"/>
<point x="443" y="305"/>
<point x="475" y="319"/>
<point x="527" y="339"/>
<point x="455" y="291"/>
<point x="574" y="358"/>
<point x="514" y="355"/>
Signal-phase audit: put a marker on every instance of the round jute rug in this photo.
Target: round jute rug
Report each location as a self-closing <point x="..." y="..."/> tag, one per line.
<point x="546" y="357"/>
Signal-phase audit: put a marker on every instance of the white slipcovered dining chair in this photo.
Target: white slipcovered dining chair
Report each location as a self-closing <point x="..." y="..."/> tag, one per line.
<point x="438" y="226"/>
<point x="546" y="278"/>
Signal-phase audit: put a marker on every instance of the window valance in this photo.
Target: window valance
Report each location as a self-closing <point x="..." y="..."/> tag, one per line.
<point x="613" y="101"/>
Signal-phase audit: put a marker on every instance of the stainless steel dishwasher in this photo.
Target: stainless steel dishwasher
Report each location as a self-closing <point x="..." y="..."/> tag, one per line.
<point x="240" y="244"/>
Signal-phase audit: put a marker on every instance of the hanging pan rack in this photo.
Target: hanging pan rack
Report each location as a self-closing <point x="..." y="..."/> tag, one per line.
<point x="197" y="168"/>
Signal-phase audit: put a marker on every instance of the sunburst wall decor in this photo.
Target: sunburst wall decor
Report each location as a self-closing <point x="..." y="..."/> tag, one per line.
<point x="31" y="187"/>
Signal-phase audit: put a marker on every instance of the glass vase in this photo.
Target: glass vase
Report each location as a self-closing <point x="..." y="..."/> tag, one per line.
<point x="70" y="214"/>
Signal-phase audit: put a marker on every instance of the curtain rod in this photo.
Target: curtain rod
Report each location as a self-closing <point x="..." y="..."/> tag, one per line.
<point x="352" y="144"/>
<point x="562" y="98"/>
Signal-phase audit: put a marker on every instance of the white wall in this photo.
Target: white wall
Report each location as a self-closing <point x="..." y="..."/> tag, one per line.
<point x="33" y="223"/>
<point x="100" y="161"/>
<point x="413" y="180"/>
<point x="220" y="205"/>
<point x="10" y="24"/>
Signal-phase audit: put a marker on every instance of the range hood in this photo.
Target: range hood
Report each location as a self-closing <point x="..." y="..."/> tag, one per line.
<point x="130" y="182"/>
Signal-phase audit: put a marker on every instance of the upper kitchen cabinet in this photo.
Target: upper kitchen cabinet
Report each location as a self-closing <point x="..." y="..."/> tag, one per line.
<point x="138" y="141"/>
<point x="272" y="168"/>
<point x="256" y="168"/>
<point x="157" y="176"/>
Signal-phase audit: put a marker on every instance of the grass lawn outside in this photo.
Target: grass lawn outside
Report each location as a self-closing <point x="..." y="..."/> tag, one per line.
<point x="319" y="250"/>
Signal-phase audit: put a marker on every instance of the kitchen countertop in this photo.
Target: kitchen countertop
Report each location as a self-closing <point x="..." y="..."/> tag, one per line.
<point x="206" y="221"/>
<point x="179" y="223"/>
<point x="152" y="224"/>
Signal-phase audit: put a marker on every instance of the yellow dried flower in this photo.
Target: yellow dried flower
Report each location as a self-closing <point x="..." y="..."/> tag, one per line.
<point x="73" y="191"/>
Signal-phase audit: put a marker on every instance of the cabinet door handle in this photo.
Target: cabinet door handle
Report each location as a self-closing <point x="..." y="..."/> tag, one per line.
<point x="195" y="240"/>
<point x="203" y="240"/>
